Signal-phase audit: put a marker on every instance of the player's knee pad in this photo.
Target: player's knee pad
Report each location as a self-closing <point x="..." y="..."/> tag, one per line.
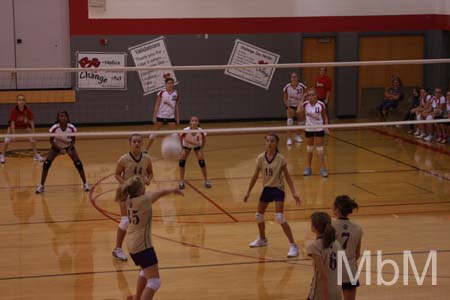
<point x="201" y="163"/>
<point x="153" y="284"/>
<point x="78" y="165"/>
<point x="280" y="218"/>
<point x="124" y="222"/>
<point x="309" y="149"/>
<point x="319" y="150"/>
<point x="290" y="121"/>
<point x="429" y="117"/>
<point x="259" y="217"/>
<point x="7" y="140"/>
<point x="418" y="117"/>
<point x="141" y="273"/>
<point x="182" y="163"/>
<point x="47" y="164"/>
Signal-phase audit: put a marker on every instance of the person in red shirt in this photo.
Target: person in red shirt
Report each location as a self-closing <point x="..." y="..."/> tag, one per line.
<point x="21" y="120"/>
<point x="323" y="86"/>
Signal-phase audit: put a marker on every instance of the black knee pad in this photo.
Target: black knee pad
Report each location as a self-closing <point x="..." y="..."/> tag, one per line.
<point x="47" y="164"/>
<point x="201" y="163"/>
<point x="78" y="165"/>
<point x="182" y="163"/>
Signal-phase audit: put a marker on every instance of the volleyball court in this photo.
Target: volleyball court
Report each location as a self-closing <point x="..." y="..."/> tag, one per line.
<point x="255" y="194"/>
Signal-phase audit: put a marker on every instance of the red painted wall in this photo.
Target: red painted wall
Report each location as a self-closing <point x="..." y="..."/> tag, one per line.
<point x="80" y="24"/>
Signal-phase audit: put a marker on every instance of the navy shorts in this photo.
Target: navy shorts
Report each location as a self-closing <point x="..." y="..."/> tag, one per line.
<point x="165" y="120"/>
<point x="195" y="148"/>
<point x="145" y="259"/>
<point x="309" y="134"/>
<point x="270" y="194"/>
<point x="349" y="285"/>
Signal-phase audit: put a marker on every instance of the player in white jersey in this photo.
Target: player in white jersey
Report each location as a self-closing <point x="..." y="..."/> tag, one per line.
<point x="166" y="109"/>
<point x="315" y="115"/>
<point x="434" y="111"/>
<point x="134" y="163"/>
<point x="445" y="127"/>
<point x="61" y="145"/>
<point x="273" y="167"/>
<point x="139" y="241"/>
<point x="323" y="252"/>
<point x="349" y="235"/>
<point x="293" y="96"/>
<point x="193" y="141"/>
<point x="424" y="100"/>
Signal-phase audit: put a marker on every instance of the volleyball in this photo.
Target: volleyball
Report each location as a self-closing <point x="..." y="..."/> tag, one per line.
<point x="171" y="147"/>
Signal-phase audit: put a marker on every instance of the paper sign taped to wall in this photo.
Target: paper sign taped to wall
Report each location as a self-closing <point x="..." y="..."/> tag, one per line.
<point x="91" y="79"/>
<point x="152" y="54"/>
<point x="248" y="54"/>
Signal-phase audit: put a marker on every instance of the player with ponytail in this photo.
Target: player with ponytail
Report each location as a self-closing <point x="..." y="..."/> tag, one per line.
<point x="349" y="234"/>
<point x="323" y="251"/>
<point x="139" y="237"/>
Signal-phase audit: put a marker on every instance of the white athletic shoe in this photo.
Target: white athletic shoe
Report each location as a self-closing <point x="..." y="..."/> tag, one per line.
<point x="38" y="157"/>
<point x="417" y="132"/>
<point x="293" y="251"/>
<point x="298" y="139"/>
<point x="208" y="184"/>
<point x="40" y="189"/>
<point x="420" y="136"/>
<point x="119" y="254"/>
<point x="259" y="242"/>
<point x="86" y="187"/>
<point x="289" y="142"/>
<point x="2" y="158"/>
<point x="428" y="138"/>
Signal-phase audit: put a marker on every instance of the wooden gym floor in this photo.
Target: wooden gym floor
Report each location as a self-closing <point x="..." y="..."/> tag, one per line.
<point x="58" y="244"/>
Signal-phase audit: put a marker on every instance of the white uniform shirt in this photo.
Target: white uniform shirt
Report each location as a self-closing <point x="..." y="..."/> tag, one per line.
<point x="436" y="102"/>
<point x="313" y="115"/>
<point x="168" y="103"/>
<point x="295" y="94"/>
<point x="193" y="140"/>
<point x="64" y="140"/>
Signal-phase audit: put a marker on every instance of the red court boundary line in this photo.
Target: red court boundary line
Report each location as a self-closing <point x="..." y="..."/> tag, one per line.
<point x="410" y="141"/>
<point x="211" y="201"/>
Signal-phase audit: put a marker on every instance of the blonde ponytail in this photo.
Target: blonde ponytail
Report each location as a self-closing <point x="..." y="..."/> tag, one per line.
<point x="129" y="189"/>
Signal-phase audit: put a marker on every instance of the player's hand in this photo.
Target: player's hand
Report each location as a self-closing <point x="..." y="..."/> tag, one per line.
<point x="178" y="122"/>
<point x="177" y="191"/>
<point x="147" y="181"/>
<point x="297" y="199"/>
<point x="327" y="130"/>
<point x="154" y="120"/>
<point x="246" y="197"/>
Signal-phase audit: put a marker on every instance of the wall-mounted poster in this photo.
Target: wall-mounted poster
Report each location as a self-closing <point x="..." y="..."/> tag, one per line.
<point x="152" y="54"/>
<point x="92" y="79"/>
<point x="248" y="54"/>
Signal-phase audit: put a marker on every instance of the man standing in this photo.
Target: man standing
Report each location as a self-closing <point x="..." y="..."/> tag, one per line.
<point x="323" y="86"/>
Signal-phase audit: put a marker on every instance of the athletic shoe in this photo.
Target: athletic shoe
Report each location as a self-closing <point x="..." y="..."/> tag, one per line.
<point x="86" y="187"/>
<point x="289" y="142"/>
<point x="443" y="141"/>
<point x="38" y="157"/>
<point x="181" y="185"/>
<point x="293" y="251"/>
<point x="119" y="254"/>
<point x="438" y="140"/>
<point x="428" y="138"/>
<point x="420" y="136"/>
<point x="417" y="132"/>
<point x="208" y="184"/>
<point x="259" y="242"/>
<point x="2" y="158"/>
<point x="298" y="139"/>
<point x="307" y="172"/>
<point x="410" y="131"/>
<point x="323" y="172"/>
<point x="40" y="189"/>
